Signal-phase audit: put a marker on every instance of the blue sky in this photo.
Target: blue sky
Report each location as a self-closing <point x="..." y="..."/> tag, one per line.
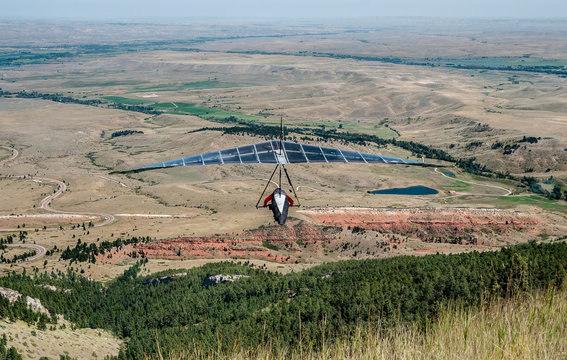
<point x="113" y="9"/>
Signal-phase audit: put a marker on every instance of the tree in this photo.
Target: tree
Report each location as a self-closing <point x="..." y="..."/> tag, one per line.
<point x="556" y="192"/>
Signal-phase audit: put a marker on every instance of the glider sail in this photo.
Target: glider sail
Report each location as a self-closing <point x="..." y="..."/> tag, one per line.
<point x="277" y="152"/>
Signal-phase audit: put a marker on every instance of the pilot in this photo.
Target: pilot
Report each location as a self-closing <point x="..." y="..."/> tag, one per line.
<point x="280" y="202"/>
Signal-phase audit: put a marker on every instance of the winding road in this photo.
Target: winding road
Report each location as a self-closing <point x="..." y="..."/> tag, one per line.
<point x="108" y="218"/>
<point x="508" y="192"/>
<point x="40" y="250"/>
<point x="15" y="154"/>
<point x="45" y="205"/>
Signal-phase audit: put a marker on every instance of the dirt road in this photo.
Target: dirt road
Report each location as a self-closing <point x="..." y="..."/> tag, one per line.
<point x="40" y="250"/>
<point x="15" y="154"/>
<point x="108" y="218"/>
<point x="62" y="187"/>
<point x="508" y="192"/>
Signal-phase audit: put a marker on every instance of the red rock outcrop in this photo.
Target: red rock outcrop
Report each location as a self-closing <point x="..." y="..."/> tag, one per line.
<point x="455" y="225"/>
<point x="248" y="244"/>
<point x="394" y="227"/>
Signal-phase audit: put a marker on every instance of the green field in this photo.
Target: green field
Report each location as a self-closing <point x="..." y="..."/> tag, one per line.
<point x="457" y="185"/>
<point x="184" y="109"/>
<point x="206" y="113"/>
<point x="210" y="85"/>
<point x="126" y="101"/>
<point x="534" y="200"/>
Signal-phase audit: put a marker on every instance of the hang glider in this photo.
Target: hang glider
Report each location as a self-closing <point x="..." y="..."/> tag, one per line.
<point x="280" y="153"/>
<point x="277" y="152"/>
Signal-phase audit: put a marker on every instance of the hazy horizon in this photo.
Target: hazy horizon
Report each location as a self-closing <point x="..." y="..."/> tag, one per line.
<point x="180" y="9"/>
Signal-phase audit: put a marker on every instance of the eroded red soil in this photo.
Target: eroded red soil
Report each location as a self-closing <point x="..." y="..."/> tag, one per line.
<point x="248" y="244"/>
<point x="350" y="232"/>
<point x="463" y="226"/>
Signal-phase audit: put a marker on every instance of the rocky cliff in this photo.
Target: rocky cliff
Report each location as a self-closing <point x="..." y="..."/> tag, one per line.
<point x="32" y="303"/>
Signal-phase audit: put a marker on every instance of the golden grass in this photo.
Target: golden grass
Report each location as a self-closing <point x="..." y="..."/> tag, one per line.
<point x="84" y="343"/>
<point x="527" y="327"/>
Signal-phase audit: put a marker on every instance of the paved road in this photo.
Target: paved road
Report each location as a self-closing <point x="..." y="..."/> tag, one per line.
<point x="40" y="250"/>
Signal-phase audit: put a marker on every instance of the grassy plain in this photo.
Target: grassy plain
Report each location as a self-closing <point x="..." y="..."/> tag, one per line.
<point x="448" y="108"/>
<point x="458" y="185"/>
<point x="208" y="113"/>
<point x="436" y="106"/>
<point x="534" y="200"/>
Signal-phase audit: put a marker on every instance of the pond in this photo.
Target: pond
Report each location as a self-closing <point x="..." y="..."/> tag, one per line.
<point x="412" y="190"/>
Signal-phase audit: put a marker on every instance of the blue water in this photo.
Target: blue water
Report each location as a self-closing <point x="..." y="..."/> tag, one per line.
<point x="448" y="173"/>
<point x="412" y="190"/>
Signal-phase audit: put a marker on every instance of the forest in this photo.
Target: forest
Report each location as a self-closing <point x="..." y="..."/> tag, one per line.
<point x="52" y="97"/>
<point x="303" y="308"/>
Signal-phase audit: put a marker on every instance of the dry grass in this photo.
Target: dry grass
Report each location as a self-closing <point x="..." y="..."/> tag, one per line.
<point x="77" y="343"/>
<point x="528" y="327"/>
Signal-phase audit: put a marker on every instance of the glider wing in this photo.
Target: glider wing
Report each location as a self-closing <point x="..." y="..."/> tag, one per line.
<point x="278" y="152"/>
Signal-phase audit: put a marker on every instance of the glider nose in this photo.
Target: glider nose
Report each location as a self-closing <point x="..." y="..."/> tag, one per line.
<point x="280" y="205"/>
<point x="281" y="219"/>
